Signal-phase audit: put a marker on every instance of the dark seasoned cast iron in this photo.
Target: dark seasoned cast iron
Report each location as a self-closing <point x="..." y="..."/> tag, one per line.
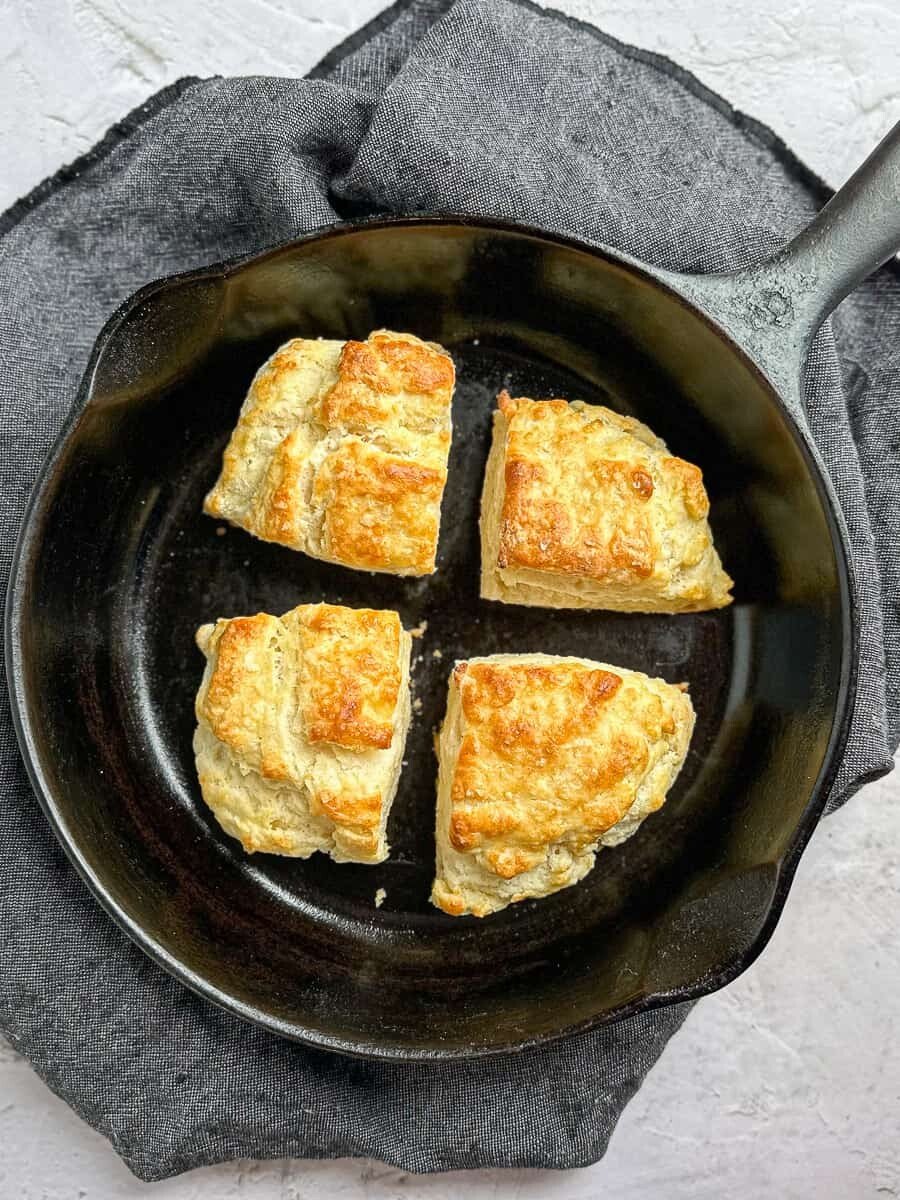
<point x="117" y="567"/>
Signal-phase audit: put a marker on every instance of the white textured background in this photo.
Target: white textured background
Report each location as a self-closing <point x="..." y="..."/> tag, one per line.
<point x="785" y="1085"/>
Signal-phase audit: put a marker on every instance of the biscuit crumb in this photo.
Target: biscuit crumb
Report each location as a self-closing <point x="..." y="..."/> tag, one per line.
<point x="380" y="896"/>
<point x="417" y="705"/>
<point x="221" y="531"/>
<point x="419" y="629"/>
<point x="437" y="653"/>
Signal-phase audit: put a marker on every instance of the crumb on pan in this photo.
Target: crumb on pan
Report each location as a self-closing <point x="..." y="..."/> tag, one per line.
<point x="419" y="629"/>
<point x="380" y="897"/>
<point x="437" y="653"/>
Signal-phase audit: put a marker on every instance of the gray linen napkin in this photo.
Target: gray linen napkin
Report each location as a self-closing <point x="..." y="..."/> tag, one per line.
<point x="484" y="107"/>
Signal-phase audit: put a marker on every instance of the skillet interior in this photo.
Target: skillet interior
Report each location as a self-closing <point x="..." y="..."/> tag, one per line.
<point x="118" y="566"/>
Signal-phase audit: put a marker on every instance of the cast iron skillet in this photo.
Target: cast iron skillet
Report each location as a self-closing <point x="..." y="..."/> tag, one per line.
<point x="116" y="567"/>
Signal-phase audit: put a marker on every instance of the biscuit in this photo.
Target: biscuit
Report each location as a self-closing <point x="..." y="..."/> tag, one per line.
<point x="542" y="761"/>
<point x="585" y="508"/>
<point x="341" y="451"/>
<point x="301" y="726"/>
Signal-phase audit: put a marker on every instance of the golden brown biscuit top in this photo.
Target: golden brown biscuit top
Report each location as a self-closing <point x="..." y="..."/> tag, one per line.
<point x="341" y="451"/>
<point x="552" y="752"/>
<point x="350" y="674"/>
<point x="336" y="670"/>
<point x="237" y="703"/>
<point x="593" y="493"/>
<point x="311" y="701"/>
<point x="390" y="379"/>
<point x="379" y="509"/>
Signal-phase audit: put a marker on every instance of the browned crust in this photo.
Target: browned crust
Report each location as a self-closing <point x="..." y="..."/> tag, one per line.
<point x="381" y="511"/>
<point x="548" y="754"/>
<point x="321" y="675"/>
<point x="358" y="814"/>
<point x="351" y="677"/>
<point x="239" y="689"/>
<point x="374" y="373"/>
<point x="594" y="496"/>
<point x="341" y="451"/>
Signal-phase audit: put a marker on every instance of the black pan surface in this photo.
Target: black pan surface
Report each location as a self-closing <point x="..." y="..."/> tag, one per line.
<point x="117" y="567"/>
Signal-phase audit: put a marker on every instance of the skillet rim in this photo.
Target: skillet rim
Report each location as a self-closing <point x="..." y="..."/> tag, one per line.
<point x="27" y="546"/>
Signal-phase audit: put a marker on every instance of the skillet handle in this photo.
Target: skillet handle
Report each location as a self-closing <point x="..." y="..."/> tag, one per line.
<point x="775" y="308"/>
<point x="856" y="231"/>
